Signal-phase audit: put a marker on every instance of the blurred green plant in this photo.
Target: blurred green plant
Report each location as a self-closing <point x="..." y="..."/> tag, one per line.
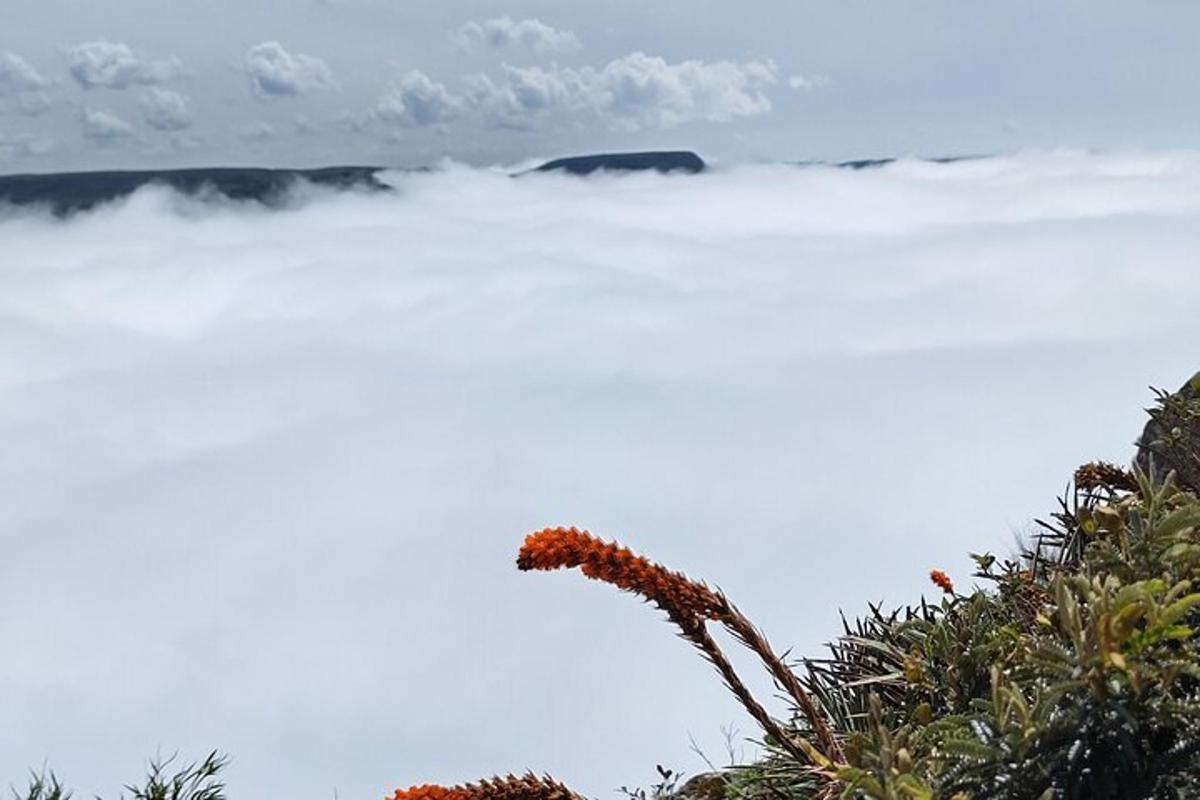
<point x="195" y="781"/>
<point x="42" y="786"/>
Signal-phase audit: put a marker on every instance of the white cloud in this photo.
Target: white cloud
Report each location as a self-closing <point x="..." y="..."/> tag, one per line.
<point x="165" y="110"/>
<point x="650" y="92"/>
<point x="104" y="126"/>
<point x="114" y="65"/>
<point x="302" y="447"/>
<point x="805" y="82"/>
<point x="634" y="92"/>
<point x="274" y="72"/>
<point x="418" y="101"/>
<point x="505" y="32"/>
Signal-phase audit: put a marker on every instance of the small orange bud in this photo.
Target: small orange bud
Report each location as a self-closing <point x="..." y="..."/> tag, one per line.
<point x="942" y="580"/>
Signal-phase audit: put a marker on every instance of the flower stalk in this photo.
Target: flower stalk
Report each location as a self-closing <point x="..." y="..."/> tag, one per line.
<point x="689" y="604"/>
<point x="511" y="787"/>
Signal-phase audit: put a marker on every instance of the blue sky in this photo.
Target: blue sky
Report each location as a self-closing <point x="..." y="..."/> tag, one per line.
<point x="138" y="83"/>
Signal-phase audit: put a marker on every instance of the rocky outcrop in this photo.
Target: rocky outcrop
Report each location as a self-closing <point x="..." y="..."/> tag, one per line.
<point x="1171" y="439"/>
<point x="705" y="786"/>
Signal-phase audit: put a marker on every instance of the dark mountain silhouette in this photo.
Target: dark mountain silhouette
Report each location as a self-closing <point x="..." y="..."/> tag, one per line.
<point x="67" y="192"/>
<point x="873" y="163"/>
<point x="660" y="161"/>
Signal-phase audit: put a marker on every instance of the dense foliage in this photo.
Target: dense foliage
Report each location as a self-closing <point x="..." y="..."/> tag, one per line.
<point x="1072" y="672"/>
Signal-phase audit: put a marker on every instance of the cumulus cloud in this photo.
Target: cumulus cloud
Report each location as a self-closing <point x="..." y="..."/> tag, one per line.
<point x="417" y="100"/>
<point x="274" y="72"/>
<point x="634" y="92"/>
<point x="103" y="126"/>
<point x="303" y="446"/>
<point x="504" y="32"/>
<point x="114" y="65"/>
<point x="648" y="91"/>
<point x="165" y="110"/>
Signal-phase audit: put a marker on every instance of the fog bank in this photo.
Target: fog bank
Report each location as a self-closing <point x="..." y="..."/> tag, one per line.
<point x="263" y="474"/>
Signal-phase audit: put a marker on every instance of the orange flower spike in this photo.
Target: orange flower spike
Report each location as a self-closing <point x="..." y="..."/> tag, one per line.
<point x="942" y="580"/>
<point x="556" y="548"/>
<point x="525" y="787"/>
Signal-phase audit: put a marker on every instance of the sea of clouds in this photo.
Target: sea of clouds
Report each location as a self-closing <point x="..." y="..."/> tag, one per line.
<point x="263" y="474"/>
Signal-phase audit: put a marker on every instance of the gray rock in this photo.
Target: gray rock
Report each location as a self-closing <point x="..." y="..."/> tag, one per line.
<point x="705" y="786"/>
<point x="1171" y="439"/>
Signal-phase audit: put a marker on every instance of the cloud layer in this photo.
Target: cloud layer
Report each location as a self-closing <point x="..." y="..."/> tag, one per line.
<point x="634" y="92"/>
<point x="264" y="474"/>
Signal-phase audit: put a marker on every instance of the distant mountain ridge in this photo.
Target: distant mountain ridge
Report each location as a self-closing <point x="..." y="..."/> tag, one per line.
<point x="873" y="163"/>
<point x="65" y="193"/>
<point x="68" y="192"/>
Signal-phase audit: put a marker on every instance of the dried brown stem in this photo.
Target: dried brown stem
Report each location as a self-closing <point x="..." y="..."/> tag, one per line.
<point x="689" y="604"/>
<point x="747" y="634"/>
<point x="694" y="631"/>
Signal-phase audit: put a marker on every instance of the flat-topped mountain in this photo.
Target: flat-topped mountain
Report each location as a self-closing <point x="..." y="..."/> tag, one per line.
<point x="657" y="161"/>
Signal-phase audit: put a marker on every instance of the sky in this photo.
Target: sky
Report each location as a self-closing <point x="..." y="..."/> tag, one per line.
<point x="265" y="473"/>
<point x="138" y="83"/>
